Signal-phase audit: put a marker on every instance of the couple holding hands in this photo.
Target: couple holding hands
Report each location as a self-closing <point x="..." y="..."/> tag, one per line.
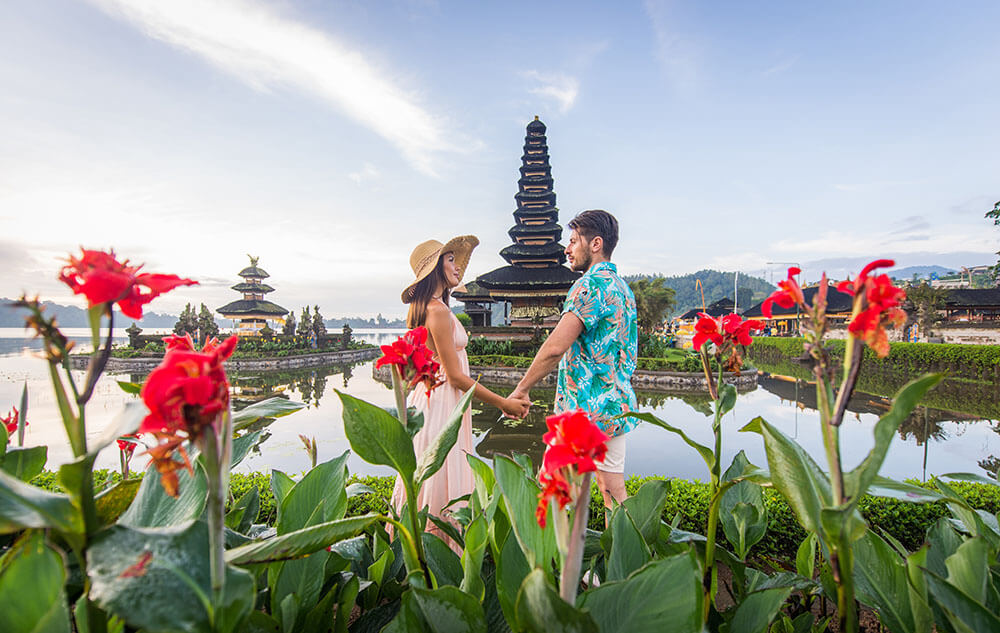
<point x="594" y="346"/>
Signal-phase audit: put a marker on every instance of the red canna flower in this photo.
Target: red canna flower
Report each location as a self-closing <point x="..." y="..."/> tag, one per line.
<point x="739" y="330"/>
<point x="103" y="279"/>
<point x="787" y="295"/>
<point x="879" y="306"/>
<point x="574" y="443"/>
<point x="727" y="333"/>
<point x="413" y="358"/>
<point x="11" y="422"/>
<point x="128" y="443"/>
<point x="706" y="329"/>
<point x="186" y="395"/>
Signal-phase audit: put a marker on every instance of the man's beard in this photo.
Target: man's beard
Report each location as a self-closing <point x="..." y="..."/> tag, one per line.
<point x="582" y="265"/>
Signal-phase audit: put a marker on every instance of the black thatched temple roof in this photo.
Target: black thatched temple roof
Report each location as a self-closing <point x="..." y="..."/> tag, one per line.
<point x="554" y="277"/>
<point x="836" y="302"/>
<point x="251" y="306"/>
<point x="719" y="308"/>
<point x="959" y="298"/>
<point x="244" y="286"/>
<point x="253" y="271"/>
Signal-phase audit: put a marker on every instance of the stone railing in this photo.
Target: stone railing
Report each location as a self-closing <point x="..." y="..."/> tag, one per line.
<point x="318" y="359"/>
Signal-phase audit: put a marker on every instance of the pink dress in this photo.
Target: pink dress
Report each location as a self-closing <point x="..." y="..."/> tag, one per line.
<point x="455" y="477"/>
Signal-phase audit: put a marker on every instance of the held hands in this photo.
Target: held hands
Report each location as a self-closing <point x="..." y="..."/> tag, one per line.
<point x="514" y="407"/>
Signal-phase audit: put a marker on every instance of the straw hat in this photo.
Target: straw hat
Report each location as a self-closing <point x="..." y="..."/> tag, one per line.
<point x="425" y="257"/>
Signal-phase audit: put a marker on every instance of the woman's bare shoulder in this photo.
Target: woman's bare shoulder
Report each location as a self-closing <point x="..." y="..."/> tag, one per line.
<point x="437" y="309"/>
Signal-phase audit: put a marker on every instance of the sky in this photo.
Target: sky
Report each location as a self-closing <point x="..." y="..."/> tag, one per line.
<point x="330" y="137"/>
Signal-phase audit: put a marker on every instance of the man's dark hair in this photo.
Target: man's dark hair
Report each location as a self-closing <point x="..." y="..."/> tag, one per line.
<point x="597" y="223"/>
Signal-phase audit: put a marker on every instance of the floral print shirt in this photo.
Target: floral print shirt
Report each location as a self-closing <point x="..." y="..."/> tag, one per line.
<point x="595" y="374"/>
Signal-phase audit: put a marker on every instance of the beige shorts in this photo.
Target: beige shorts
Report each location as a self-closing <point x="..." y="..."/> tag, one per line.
<point x="614" y="461"/>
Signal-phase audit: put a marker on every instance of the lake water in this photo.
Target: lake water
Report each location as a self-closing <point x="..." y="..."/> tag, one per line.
<point x="957" y="435"/>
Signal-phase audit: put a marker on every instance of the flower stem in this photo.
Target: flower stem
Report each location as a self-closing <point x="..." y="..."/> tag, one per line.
<point x="708" y="373"/>
<point x="416" y="531"/>
<point x="213" y="449"/>
<point x="711" y="579"/>
<point x="570" y="579"/>
<point x="399" y="390"/>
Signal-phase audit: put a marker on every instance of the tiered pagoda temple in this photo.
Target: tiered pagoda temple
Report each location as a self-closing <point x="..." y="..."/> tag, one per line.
<point x="536" y="281"/>
<point x="251" y="313"/>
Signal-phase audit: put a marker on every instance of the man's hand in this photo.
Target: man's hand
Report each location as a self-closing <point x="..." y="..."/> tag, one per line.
<point x="515" y="408"/>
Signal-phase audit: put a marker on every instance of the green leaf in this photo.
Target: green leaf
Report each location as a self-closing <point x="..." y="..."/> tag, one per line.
<point x="299" y="543"/>
<point x="484" y="480"/>
<point x="756" y="611"/>
<point x="541" y="610"/>
<point x="244" y="511"/>
<point x="377" y="437"/>
<point x="25" y="463"/>
<point x="476" y="539"/>
<point x="628" y="549"/>
<point x="434" y="456"/>
<point x="968" y="569"/>
<point x="409" y="619"/>
<point x="520" y="495"/>
<point x="320" y="497"/>
<point x="25" y="506"/>
<point x="944" y="541"/>
<point x="645" y="508"/>
<point x="134" y="388"/>
<point x="805" y="557"/>
<point x="794" y="474"/>
<point x="242" y="446"/>
<point x="979" y="479"/>
<point x="512" y="567"/>
<point x="166" y="571"/>
<point x="94" y="315"/>
<point x="112" y="502"/>
<point x="706" y="453"/>
<point x="665" y="596"/>
<point x="743" y="516"/>
<point x="963" y="612"/>
<point x="448" y="610"/>
<point x="357" y="489"/>
<point x="856" y="482"/>
<point x="270" y="408"/>
<point x="280" y="485"/>
<point x="22" y="421"/>
<point x="742" y="469"/>
<point x="727" y="399"/>
<point x="883" y="487"/>
<point x="153" y="507"/>
<point x="32" y="595"/>
<point x="882" y="583"/>
<point x="446" y="569"/>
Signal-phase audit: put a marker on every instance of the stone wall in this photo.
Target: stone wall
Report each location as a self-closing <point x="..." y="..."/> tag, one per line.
<point x="320" y="359"/>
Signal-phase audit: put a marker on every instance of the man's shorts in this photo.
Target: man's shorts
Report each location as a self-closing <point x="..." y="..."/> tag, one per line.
<point x="614" y="461"/>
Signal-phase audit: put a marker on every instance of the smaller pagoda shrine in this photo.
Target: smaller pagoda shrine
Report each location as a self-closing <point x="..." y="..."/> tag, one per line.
<point x="536" y="281"/>
<point x="251" y="313"/>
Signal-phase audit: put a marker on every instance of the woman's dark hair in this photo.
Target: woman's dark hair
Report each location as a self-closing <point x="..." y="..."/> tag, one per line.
<point x="597" y="223"/>
<point x="424" y="291"/>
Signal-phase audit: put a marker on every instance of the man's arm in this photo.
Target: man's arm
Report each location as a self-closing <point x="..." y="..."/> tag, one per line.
<point x="569" y="328"/>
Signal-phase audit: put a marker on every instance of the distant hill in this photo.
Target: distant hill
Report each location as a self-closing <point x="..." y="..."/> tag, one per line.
<point x="922" y="272"/>
<point x="717" y="285"/>
<point x="74" y="316"/>
<point x="358" y="322"/>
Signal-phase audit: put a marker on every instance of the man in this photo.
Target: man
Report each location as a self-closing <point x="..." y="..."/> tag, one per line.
<point x="595" y="345"/>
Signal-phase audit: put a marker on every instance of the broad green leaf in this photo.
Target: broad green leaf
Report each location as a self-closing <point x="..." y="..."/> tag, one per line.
<point x="299" y="543"/>
<point x="22" y="421"/>
<point x="280" y="485"/>
<point x="94" y="315"/>
<point x="25" y="463"/>
<point x="755" y="612"/>
<point x="32" y="594"/>
<point x="741" y="469"/>
<point x="524" y="462"/>
<point x="244" y="511"/>
<point x="520" y="495"/>
<point x="844" y="524"/>
<point x="964" y="612"/>
<point x="345" y="603"/>
<point x="727" y="399"/>
<point x="166" y="570"/>
<point x="944" y="541"/>
<point x="448" y="610"/>
<point x="446" y="568"/>
<point x="645" y="508"/>
<point x="134" y="388"/>
<point x="25" y="506"/>
<point x="409" y="619"/>
<point x="856" y="482"/>
<point x="883" y="487"/>
<point x="974" y="478"/>
<point x="805" y="557"/>
<point x="977" y="522"/>
<point x="541" y="610"/>
<point x="512" y="567"/>
<point x="882" y="583"/>
<point x="794" y="474"/>
<point x="665" y="596"/>
<point x="434" y="456"/>
<point x="968" y="569"/>
<point x="319" y="498"/>
<point x="112" y="502"/>
<point x="706" y="453"/>
<point x="153" y="507"/>
<point x="628" y="549"/>
<point x="357" y="489"/>
<point x="476" y="539"/>
<point x="743" y="516"/>
<point x="270" y="408"/>
<point x="377" y="437"/>
<point x="295" y="587"/>
<point x="242" y="446"/>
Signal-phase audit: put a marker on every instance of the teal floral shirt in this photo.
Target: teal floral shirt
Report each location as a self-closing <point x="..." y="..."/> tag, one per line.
<point x="595" y="374"/>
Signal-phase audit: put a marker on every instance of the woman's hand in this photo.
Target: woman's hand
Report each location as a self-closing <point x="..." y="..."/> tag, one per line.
<point x="515" y="408"/>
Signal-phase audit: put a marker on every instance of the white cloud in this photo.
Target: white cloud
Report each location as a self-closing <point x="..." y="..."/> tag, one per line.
<point x="781" y="66"/>
<point x="873" y="186"/>
<point x="367" y="172"/>
<point x="267" y="50"/>
<point x="563" y="89"/>
<point x="675" y="52"/>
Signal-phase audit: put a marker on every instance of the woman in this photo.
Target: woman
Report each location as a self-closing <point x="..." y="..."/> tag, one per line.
<point x="438" y="269"/>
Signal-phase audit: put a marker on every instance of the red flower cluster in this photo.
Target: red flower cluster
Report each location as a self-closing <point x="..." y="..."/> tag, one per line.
<point x="787" y="295"/>
<point x="574" y="443"/>
<point x="11" y="422"/>
<point x="731" y="328"/>
<point x="413" y="358"/>
<point x="103" y="279"/>
<point x="879" y="307"/>
<point x="127" y="443"/>
<point x="186" y="395"/>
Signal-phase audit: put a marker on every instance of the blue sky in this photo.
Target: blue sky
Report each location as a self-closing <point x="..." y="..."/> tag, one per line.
<point x="330" y="137"/>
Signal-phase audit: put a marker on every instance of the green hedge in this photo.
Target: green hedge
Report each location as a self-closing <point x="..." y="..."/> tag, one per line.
<point x="907" y="522"/>
<point x="979" y="362"/>
<point x="681" y="362"/>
